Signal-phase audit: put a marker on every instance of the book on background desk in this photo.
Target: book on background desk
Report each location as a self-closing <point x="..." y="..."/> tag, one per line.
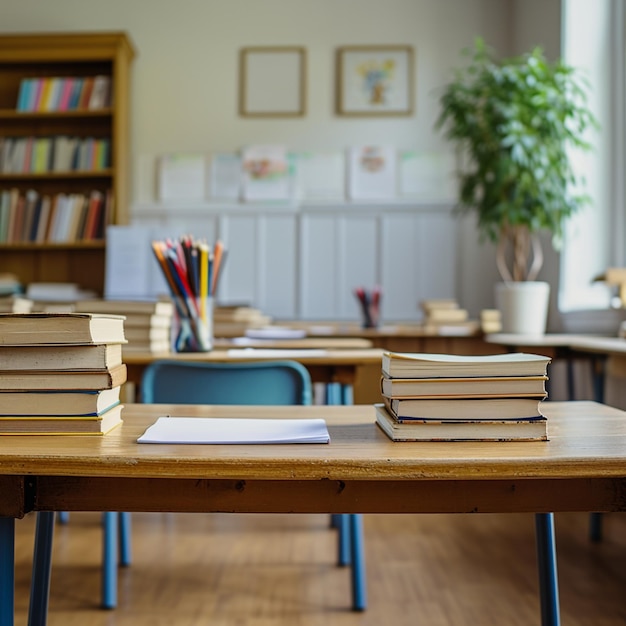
<point x="60" y="358"/>
<point x="62" y="425"/>
<point x="39" y="403"/>
<point x="462" y="408"/>
<point x="531" y="429"/>
<point x="53" y="380"/>
<point x="23" y="329"/>
<point x="484" y="386"/>
<point x="424" y="365"/>
<point x="126" y="307"/>
<point x="208" y="430"/>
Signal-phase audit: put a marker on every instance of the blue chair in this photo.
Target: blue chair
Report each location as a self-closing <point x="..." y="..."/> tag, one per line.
<point x="265" y="383"/>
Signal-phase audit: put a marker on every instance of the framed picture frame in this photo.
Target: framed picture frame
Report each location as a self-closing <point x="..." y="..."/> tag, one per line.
<point x="375" y="80"/>
<point x="272" y="81"/>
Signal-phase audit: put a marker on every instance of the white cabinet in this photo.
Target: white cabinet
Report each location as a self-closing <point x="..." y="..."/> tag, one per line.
<point x="304" y="262"/>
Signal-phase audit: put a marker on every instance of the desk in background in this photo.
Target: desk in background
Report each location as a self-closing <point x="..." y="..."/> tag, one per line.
<point x="581" y="468"/>
<point x="358" y="369"/>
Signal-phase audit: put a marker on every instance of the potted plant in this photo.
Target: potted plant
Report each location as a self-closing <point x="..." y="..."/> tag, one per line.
<point x="514" y="121"/>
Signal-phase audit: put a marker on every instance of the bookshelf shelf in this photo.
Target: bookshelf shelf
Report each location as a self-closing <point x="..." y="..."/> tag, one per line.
<point x="27" y="246"/>
<point x="12" y="114"/>
<point x="41" y="59"/>
<point x="107" y="174"/>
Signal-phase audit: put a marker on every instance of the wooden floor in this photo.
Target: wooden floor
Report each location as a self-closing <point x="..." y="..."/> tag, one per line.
<point x="255" y="570"/>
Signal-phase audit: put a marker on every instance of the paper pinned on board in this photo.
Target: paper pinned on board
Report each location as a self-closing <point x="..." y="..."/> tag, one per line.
<point x="217" y="430"/>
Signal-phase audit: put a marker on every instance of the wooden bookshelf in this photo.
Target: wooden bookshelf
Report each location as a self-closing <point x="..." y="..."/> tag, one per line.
<point x="78" y="55"/>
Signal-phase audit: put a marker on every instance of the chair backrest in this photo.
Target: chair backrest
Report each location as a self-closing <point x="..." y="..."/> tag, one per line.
<point x="264" y="382"/>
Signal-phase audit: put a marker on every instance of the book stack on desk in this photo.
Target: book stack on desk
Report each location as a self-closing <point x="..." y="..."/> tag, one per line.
<point x="444" y="397"/>
<point x="234" y="321"/>
<point x="60" y="374"/>
<point x="147" y="325"/>
<point x="446" y="317"/>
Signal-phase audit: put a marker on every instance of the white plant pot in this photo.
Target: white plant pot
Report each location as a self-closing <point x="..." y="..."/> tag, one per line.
<point x="523" y="306"/>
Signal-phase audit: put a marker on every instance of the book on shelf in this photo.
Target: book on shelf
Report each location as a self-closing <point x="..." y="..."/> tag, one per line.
<point x="17" y="329"/>
<point x="424" y="365"/>
<point x="66" y="380"/>
<point x="54" y="402"/>
<point x="530" y="429"/>
<point x="62" y="424"/>
<point x="482" y="386"/>
<point x="126" y="307"/>
<point x="100" y="96"/>
<point x="61" y="357"/>
<point x="461" y="409"/>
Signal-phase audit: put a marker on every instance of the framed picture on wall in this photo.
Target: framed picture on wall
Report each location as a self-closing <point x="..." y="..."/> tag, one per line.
<point x="374" y="80"/>
<point x="272" y="81"/>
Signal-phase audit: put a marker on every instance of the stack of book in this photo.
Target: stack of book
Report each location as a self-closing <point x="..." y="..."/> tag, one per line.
<point x="15" y="304"/>
<point x="60" y="374"/>
<point x="148" y="323"/>
<point x="235" y="320"/>
<point x="446" y="317"/>
<point x="444" y="397"/>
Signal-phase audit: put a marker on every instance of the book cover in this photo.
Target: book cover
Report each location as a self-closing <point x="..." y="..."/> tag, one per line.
<point x="435" y="430"/>
<point x="60" y="357"/>
<point x="22" y="329"/>
<point x="48" y="403"/>
<point x="484" y="386"/>
<point x="62" y="424"/>
<point x="126" y="307"/>
<point x="67" y="380"/>
<point x="424" y="365"/>
<point x="460" y="409"/>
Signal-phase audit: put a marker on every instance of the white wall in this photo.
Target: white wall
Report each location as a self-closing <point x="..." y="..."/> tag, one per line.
<point x="185" y="74"/>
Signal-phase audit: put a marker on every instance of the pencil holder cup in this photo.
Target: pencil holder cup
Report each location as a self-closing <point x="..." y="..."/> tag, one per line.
<point x="195" y="326"/>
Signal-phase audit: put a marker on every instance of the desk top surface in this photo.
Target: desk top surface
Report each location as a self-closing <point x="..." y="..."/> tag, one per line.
<point x="361" y="356"/>
<point x="587" y="440"/>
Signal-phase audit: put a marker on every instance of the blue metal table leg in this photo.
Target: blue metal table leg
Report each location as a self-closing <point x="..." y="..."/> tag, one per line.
<point x="546" y="560"/>
<point x="42" y="566"/>
<point x="359" y="586"/>
<point x="7" y="570"/>
<point x="345" y="546"/>
<point x="125" y="542"/>
<point x="109" y="560"/>
<point x="63" y="517"/>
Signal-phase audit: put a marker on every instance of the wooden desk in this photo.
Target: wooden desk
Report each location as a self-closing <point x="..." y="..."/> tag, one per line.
<point x="305" y="343"/>
<point x="359" y="369"/>
<point x="581" y="468"/>
<point x="401" y="337"/>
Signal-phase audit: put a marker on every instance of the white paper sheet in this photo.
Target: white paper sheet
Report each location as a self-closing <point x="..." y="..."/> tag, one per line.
<point x="216" y="430"/>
